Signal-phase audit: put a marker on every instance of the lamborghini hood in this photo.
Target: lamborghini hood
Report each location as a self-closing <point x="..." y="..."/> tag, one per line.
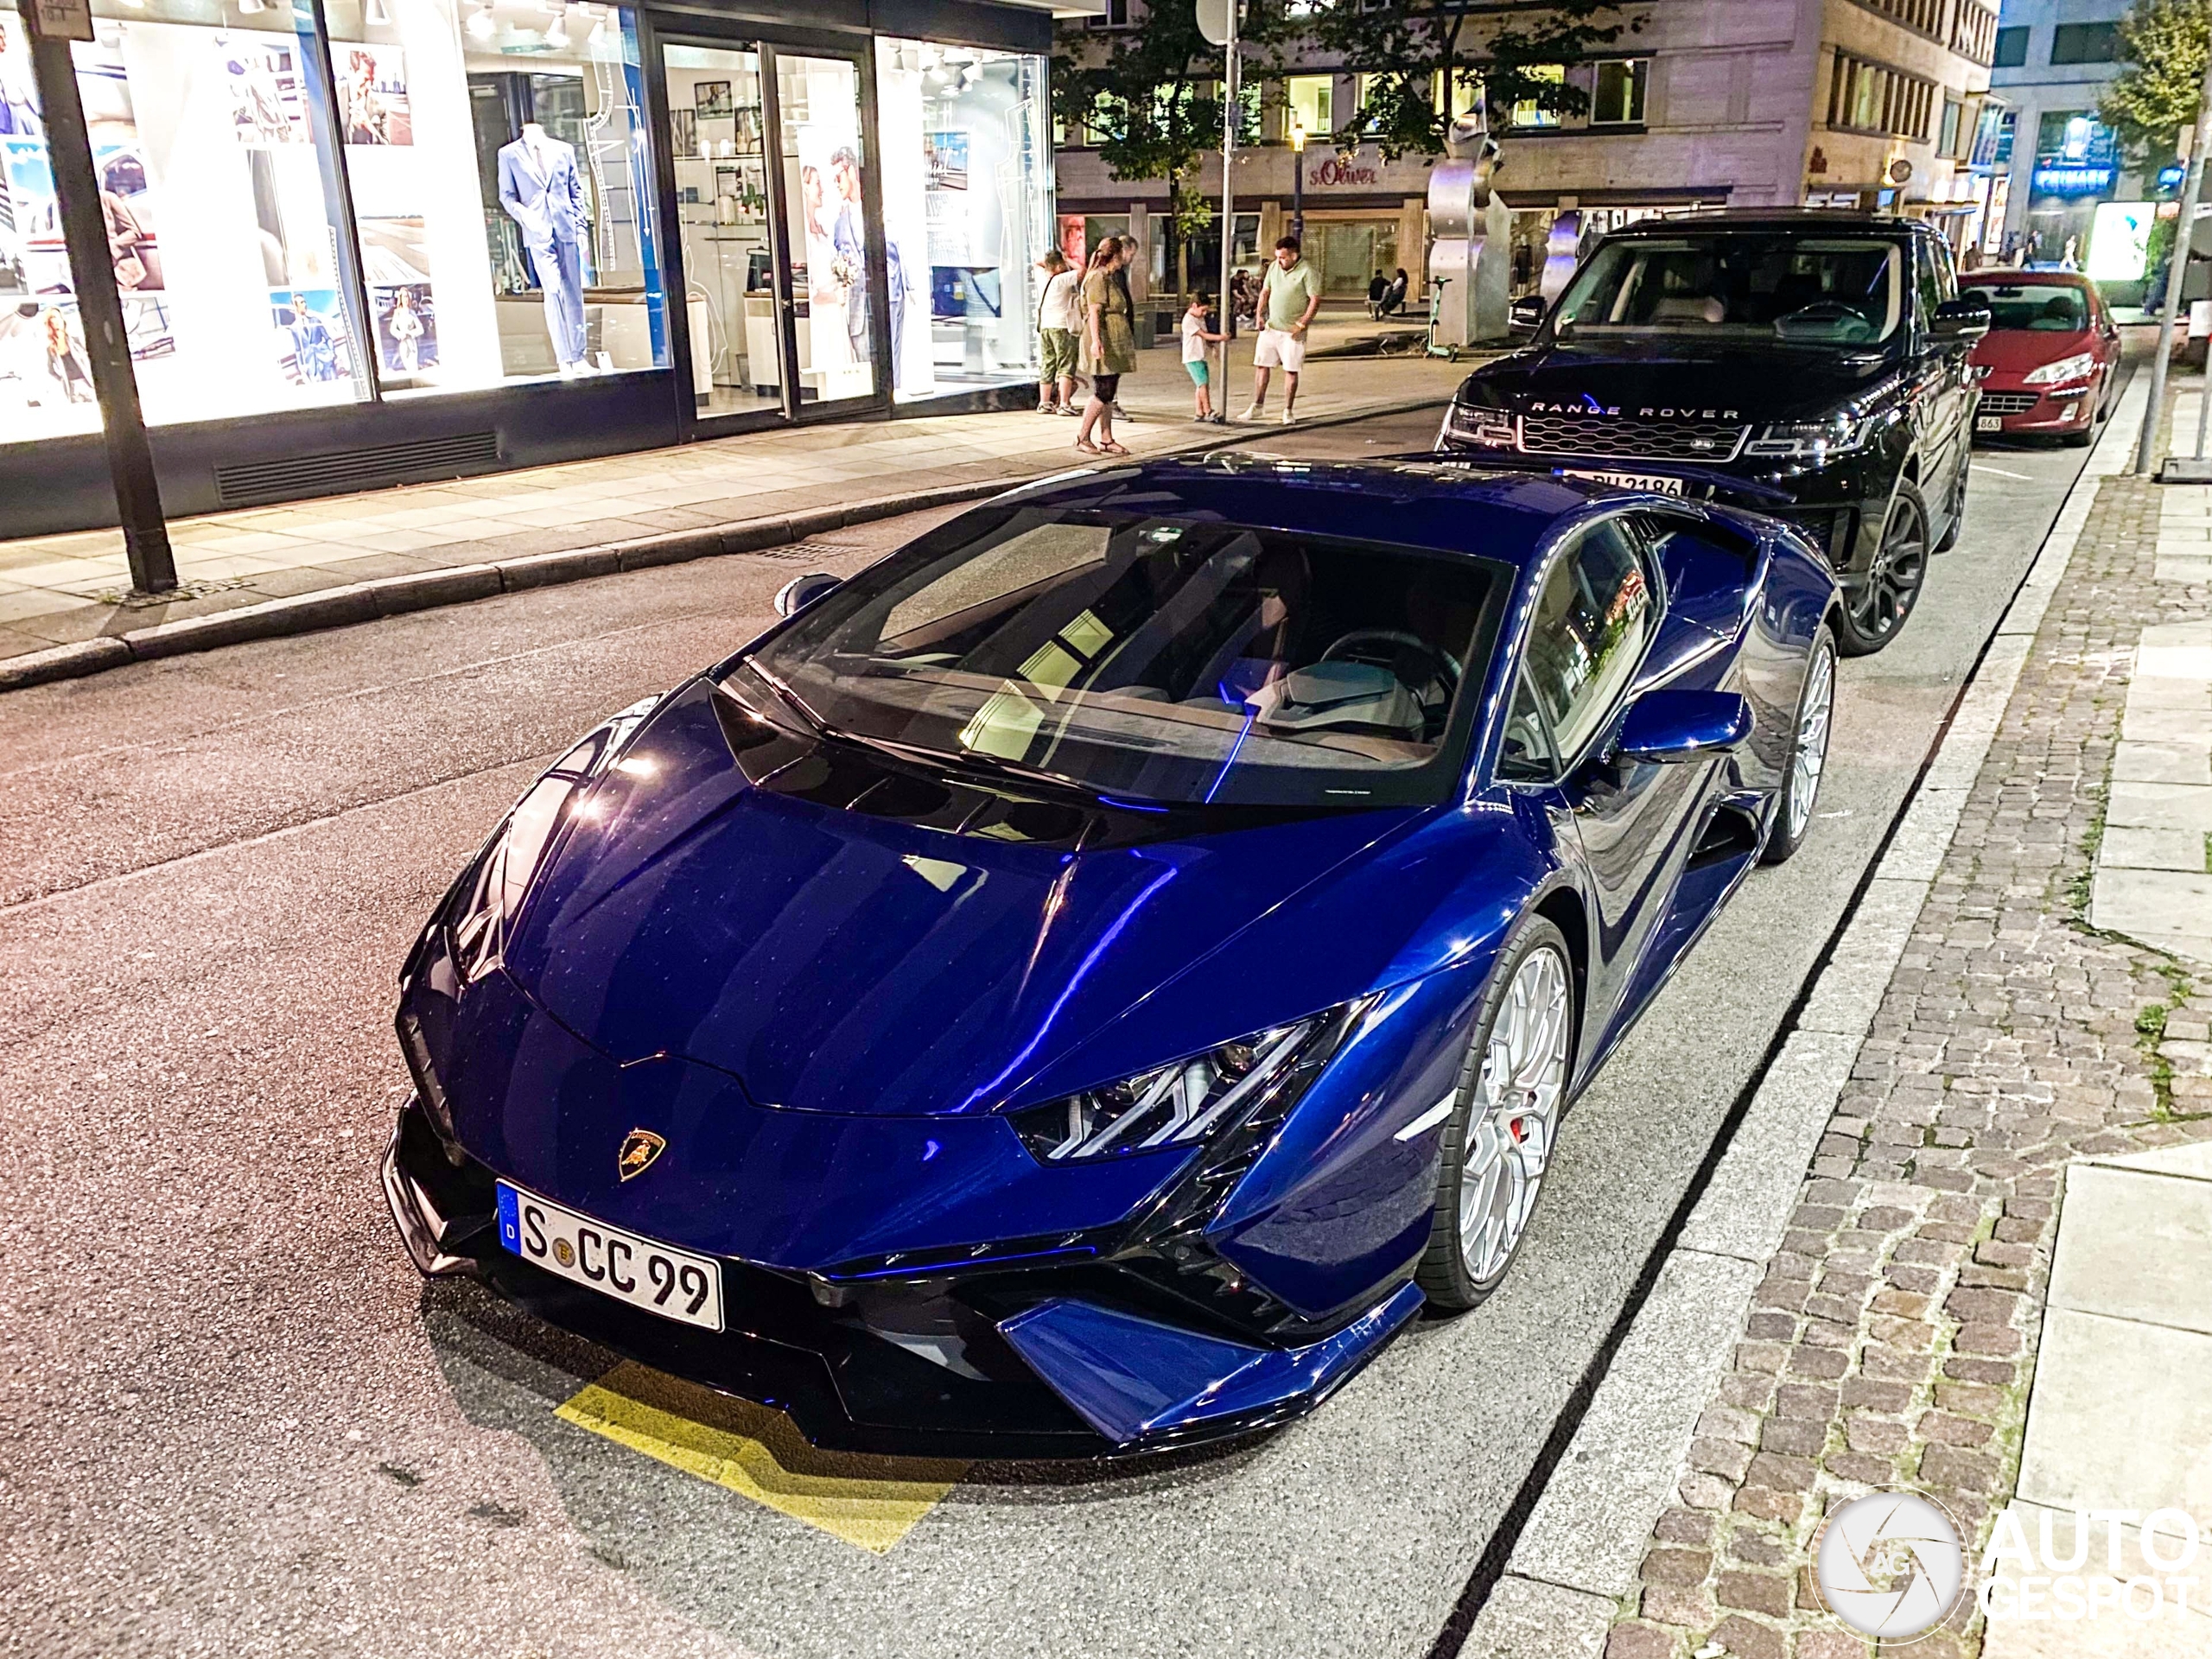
<point x="835" y="961"/>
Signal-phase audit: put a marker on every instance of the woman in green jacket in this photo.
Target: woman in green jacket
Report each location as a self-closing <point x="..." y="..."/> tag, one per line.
<point x="1110" y="344"/>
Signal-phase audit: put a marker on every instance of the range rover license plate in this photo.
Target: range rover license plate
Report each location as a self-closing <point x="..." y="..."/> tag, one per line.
<point x="1657" y="483"/>
<point x="673" y="1283"/>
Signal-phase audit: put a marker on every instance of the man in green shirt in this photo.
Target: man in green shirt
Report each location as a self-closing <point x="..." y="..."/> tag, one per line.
<point x="1288" y="298"/>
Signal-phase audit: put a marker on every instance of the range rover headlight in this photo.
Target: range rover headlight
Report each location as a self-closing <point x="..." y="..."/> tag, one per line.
<point x="510" y="863"/>
<point x="2079" y="366"/>
<point x="1492" y="428"/>
<point x="1188" y="1099"/>
<point x="1814" y="441"/>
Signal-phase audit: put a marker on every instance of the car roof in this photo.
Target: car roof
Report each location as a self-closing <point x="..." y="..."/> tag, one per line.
<point x="1415" y="501"/>
<point x="2007" y="277"/>
<point x="1777" y="219"/>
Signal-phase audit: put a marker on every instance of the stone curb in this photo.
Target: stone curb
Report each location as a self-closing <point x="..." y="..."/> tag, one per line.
<point x="1587" y="1536"/>
<point x="368" y="601"/>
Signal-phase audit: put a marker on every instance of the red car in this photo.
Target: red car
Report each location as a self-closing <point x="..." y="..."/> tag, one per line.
<point x="2047" y="363"/>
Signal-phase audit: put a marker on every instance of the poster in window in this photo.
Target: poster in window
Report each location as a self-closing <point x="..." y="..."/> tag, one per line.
<point x="407" y="327"/>
<point x="712" y="100"/>
<point x="310" y="336"/>
<point x="373" y="107"/>
<point x="261" y="76"/>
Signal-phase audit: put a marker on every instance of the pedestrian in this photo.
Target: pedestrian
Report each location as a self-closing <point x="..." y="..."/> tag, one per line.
<point x="1120" y="276"/>
<point x="1196" y="337"/>
<point x="1059" y="318"/>
<point x="1110" y="344"/>
<point x="1289" y="295"/>
<point x="1240" y="298"/>
<point x="1394" y="302"/>
<point x="1378" y="286"/>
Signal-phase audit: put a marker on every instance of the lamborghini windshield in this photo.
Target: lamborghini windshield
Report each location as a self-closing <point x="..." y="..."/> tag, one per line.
<point x="1154" y="659"/>
<point x="1739" y="286"/>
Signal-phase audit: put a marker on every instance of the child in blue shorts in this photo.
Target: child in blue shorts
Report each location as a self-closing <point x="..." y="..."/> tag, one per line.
<point x="1196" y="339"/>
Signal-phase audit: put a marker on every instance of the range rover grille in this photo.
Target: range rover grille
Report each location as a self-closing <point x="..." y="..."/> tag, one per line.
<point x="1601" y="437"/>
<point x="2008" y="403"/>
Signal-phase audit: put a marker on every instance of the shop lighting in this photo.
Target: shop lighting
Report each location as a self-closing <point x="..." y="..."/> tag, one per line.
<point x="556" y="33"/>
<point x="481" y="25"/>
<point x="378" y="18"/>
<point x="253" y="5"/>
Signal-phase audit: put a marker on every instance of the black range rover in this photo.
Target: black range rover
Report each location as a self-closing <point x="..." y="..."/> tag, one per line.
<point x="1809" y="363"/>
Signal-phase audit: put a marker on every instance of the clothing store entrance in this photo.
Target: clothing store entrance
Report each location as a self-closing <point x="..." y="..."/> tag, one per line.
<point x="771" y="195"/>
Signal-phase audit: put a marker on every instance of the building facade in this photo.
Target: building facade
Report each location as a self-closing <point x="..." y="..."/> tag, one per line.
<point x="1710" y="104"/>
<point x="2057" y="160"/>
<point x="367" y="241"/>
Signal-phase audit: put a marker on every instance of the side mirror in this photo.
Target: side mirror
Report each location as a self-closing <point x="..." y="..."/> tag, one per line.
<point x="800" y="592"/>
<point x="1527" y="314"/>
<point x="1666" y="726"/>
<point x="1960" y="320"/>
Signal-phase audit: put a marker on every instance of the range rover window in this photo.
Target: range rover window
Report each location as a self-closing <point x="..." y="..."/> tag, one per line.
<point x="1155" y="659"/>
<point x="1745" y="285"/>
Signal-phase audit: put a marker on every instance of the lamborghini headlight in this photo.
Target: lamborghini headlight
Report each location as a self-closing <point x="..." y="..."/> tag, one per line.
<point x="510" y="863"/>
<point x="1185" y="1100"/>
<point x="2079" y="366"/>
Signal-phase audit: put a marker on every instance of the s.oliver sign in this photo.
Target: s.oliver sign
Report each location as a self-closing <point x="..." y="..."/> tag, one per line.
<point x="1344" y="170"/>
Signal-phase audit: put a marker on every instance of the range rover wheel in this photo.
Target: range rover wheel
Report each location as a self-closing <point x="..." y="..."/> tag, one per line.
<point x="1497" y="1143"/>
<point x="1874" y="613"/>
<point x="1808" y="754"/>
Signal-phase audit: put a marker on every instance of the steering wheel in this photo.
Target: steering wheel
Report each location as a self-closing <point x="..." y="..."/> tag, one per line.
<point x="1845" y="319"/>
<point x="1348" y="648"/>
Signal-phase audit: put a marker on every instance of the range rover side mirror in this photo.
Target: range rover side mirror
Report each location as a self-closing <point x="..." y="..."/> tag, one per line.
<point x="1666" y="726"/>
<point x="1960" y="320"/>
<point x="1527" y="314"/>
<point x="800" y="592"/>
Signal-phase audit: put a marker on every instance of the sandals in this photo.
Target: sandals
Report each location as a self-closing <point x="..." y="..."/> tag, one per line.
<point x="1111" y="449"/>
<point x="1085" y="446"/>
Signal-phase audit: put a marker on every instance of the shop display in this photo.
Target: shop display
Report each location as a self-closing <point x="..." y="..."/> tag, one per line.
<point x="967" y="208"/>
<point x="823" y="163"/>
<point x="539" y="189"/>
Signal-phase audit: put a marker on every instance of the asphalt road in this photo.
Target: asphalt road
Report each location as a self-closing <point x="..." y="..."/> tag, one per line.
<point x="233" y="1420"/>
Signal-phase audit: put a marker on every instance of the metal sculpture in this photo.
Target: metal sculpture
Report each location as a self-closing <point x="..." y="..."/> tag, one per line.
<point x="1472" y="230"/>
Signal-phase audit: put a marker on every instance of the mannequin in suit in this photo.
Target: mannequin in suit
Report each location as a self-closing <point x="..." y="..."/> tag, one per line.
<point x="539" y="189"/>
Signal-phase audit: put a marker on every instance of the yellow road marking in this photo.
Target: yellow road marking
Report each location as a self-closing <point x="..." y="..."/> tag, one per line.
<point x="871" y="1502"/>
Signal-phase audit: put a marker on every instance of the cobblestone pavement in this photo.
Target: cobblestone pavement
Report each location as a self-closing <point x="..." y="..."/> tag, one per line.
<point x="1892" y="1340"/>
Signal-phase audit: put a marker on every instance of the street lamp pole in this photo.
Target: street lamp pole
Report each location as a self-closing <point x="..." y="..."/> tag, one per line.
<point x="1298" y="179"/>
<point x="2177" y="274"/>
<point x="100" y="300"/>
<point x="1231" y="107"/>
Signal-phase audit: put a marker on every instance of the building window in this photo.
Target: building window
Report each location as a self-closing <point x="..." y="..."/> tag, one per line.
<point x="1973" y="33"/>
<point x="1528" y="112"/>
<point x="1617" y="92"/>
<point x="2011" y="47"/>
<point x="2085" y="43"/>
<point x="1947" y="137"/>
<point x="1116" y="14"/>
<point x="966" y="211"/>
<point x="1309" y="102"/>
<point x="1465" y="91"/>
<point x="1922" y="16"/>
<point x="1866" y="97"/>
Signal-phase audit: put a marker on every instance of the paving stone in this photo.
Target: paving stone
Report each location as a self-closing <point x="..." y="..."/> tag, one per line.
<point x="2121" y="1417"/>
<point x="2136" y="1246"/>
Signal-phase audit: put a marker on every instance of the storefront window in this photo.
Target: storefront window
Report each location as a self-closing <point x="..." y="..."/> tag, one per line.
<point x="718" y="141"/>
<point x="539" y="259"/>
<point x="968" y="211"/>
<point x="217" y="194"/>
<point x="824" y="173"/>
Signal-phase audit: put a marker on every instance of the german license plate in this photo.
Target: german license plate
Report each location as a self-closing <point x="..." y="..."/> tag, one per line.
<point x="1658" y="483"/>
<point x="1989" y="423"/>
<point x="673" y="1283"/>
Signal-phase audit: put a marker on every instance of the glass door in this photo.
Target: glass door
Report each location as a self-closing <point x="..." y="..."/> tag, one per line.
<point x="823" y="160"/>
<point x="718" y="139"/>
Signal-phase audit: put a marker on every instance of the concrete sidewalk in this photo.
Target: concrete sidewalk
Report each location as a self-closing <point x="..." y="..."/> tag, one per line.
<point x="64" y="608"/>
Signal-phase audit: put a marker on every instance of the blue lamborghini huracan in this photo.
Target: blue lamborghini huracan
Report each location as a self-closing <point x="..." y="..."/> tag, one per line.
<point x="1081" y="984"/>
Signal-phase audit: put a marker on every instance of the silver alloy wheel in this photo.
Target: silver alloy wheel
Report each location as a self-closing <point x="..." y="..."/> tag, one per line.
<point x="1814" y="715"/>
<point x="1514" y="1115"/>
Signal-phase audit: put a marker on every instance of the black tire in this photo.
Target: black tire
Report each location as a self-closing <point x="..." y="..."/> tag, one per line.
<point x="1876" y="611"/>
<point x="1793" y="821"/>
<point x="1445" y="1275"/>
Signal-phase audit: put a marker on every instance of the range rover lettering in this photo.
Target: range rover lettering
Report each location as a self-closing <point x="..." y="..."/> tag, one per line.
<point x="1812" y="365"/>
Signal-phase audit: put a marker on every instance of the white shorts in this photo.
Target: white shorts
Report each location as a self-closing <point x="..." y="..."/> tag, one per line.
<point x="1278" y="348"/>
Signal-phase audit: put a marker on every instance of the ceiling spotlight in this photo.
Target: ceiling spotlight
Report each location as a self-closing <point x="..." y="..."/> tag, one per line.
<point x="556" y="32"/>
<point x="378" y="18"/>
<point x="253" y="5"/>
<point x="482" y="24"/>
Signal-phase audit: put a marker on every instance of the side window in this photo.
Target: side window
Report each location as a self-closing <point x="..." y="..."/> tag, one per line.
<point x="1930" y="279"/>
<point x="1592" y="622"/>
<point x="1528" y="756"/>
<point x="1946" y="271"/>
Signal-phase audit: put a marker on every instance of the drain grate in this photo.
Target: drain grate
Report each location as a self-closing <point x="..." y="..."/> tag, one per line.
<point x="334" y="470"/>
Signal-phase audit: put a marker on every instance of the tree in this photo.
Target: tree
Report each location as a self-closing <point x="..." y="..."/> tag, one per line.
<point x="1410" y="47"/>
<point x="2154" y="96"/>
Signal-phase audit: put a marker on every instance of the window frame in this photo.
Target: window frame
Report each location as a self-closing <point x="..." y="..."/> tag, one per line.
<point x="1633" y="524"/>
<point x="1639" y="79"/>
